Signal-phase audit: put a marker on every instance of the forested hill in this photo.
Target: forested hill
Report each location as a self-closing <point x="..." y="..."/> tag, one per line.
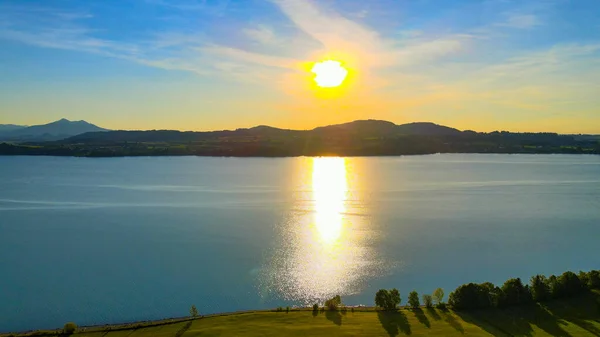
<point x="358" y="138"/>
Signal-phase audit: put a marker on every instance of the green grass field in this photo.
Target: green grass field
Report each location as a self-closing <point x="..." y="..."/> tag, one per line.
<point x="571" y="317"/>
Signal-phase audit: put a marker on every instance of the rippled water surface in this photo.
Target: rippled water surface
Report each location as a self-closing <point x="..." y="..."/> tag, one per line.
<point x="122" y="239"/>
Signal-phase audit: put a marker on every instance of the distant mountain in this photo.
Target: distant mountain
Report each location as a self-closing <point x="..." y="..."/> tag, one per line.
<point x="11" y="127"/>
<point x="60" y="129"/>
<point x="356" y="129"/>
<point x="376" y="128"/>
<point x="358" y="138"/>
<point x="365" y="128"/>
<point x="430" y="129"/>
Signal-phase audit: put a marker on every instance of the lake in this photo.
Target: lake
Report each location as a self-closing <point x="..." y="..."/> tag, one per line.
<point x="113" y="240"/>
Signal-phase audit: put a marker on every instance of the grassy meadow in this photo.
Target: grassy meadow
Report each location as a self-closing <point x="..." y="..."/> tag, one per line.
<point x="578" y="316"/>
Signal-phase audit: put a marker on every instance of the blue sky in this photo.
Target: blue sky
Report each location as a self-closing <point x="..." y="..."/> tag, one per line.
<point x="201" y="65"/>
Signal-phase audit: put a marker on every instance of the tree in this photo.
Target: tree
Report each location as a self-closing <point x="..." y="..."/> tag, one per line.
<point x="570" y="284"/>
<point x="540" y="291"/>
<point x="193" y="311"/>
<point x="474" y="296"/>
<point x="438" y="296"/>
<point x="395" y="297"/>
<point x="555" y="287"/>
<point x="594" y="279"/>
<point x="333" y="303"/>
<point x="514" y="293"/>
<point x="489" y="295"/>
<point x="584" y="278"/>
<point x="69" y="328"/>
<point x="428" y="301"/>
<point x="315" y="307"/>
<point x="413" y="299"/>
<point x="381" y="298"/>
<point x="387" y="299"/>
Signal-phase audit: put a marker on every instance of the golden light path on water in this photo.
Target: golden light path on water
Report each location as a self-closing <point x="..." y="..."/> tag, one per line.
<point x="330" y="186"/>
<point x="325" y="241"/>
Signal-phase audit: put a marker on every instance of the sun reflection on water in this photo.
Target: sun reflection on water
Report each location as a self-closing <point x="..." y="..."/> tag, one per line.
<point x="325" y="242"/>
<point x="329" y="186"/>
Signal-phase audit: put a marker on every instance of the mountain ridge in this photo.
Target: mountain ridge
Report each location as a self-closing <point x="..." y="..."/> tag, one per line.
<point x="57" y="130"/>
<point x="357" y="128"/>
<point x="11" y="127"/>
<point x="356" y="138"/>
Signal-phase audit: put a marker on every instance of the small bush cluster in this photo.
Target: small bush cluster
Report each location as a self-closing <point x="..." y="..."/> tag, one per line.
<point x="69" y="328"/>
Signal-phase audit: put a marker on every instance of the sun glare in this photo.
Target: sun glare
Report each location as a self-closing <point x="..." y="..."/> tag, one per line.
<point x="329" y="74"/>
<point x="329" y="188"/>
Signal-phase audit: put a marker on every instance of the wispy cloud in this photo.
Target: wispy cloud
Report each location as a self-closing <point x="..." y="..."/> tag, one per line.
<point x="400" y="57"/>
<point x="521" y="21"/>
<point x="261" y="34"/>
<point x="362" y="46"/>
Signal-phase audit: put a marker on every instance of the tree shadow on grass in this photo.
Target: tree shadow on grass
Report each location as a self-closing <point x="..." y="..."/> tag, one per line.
<point x="434" y="314"/>
<point x="334" y="316"/>
<point x="515" y="321"/>
<point x="546" y="321"/>
<point x="580" y="311"/>
<point x="421" y="317"/>
<point x="453" y="322"/>
<point x="393" y="322"/>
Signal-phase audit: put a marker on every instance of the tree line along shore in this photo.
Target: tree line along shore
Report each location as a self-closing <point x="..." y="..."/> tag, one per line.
<point x="468" y="298"/>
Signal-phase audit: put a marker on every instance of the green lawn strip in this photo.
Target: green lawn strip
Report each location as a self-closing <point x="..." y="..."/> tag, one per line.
<point x="578" y="316"/>
<point x="305" y="323"/>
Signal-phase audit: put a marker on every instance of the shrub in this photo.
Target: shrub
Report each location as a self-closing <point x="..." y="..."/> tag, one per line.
<point x="315" y="307"/>
<point x="540" y="291"/>
<point x="387" y="299"/>
<point x="287" y="309"/>
<point x="428" y="301"/>
<point x="413" y="299"/>
<point x="441" y="306"/>
<point x="69" y="328"/>
<point x="438" y="296"/>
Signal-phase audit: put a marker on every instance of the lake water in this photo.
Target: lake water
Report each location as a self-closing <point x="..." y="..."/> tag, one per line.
<point x="123" y="239"/>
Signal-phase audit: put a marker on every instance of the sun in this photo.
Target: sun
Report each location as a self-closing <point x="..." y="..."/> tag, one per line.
<point x="329" y="73"/>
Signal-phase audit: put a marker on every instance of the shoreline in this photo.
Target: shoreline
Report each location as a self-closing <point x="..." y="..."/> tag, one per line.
<point x="298" y="156"/>
<point x="172" y="320"/>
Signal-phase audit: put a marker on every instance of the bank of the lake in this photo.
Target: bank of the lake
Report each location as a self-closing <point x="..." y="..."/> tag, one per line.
<point x="579" y="316"/>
